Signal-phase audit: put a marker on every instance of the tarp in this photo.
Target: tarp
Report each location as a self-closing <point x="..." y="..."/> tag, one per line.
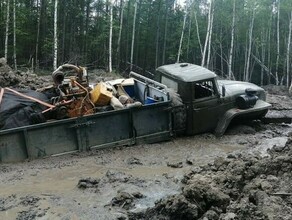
<point x="17" y="111"/>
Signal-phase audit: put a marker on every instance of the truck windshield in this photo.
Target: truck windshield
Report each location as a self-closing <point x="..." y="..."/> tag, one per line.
<point x="169" y="83"/>
<point x="204" y="89"/>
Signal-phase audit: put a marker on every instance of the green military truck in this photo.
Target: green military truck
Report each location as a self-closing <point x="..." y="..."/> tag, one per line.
<point x="210" y="103"/>
<point x="183" y="99"/>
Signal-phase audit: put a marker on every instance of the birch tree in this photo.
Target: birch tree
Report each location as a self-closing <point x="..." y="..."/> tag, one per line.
<point x="210" y="39"/>
<point x="278" y="43"/>
<point x="14" y="36"/>
<point x="110" y="38"/>
<point x="55" y="35"/>
<point x="133" y="33"/>
<point x="250" y="36"/>
<point x="165" y="33"/>
<point x="288" y="52"/>
<point x="263" y="51"/>
<point x="198" y="33"/>
<point x="7" y="29"/>
<point x="38" y="35"/>
<point x="182" y="34"/>
<point x="157" y="36"/>
<point x="154" y="36"/>
<point x="269" y="48"/>
<point x="266" y="44"/>
<point x="207" y="35"/>
<point x="189" y="38"/>
<point x="230" y="74"/>
<point x="221" y="53"/>
<point x="120" y="31"/>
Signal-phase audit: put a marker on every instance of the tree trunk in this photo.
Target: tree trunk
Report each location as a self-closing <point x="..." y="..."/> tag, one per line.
<point x="110" y="38"/>
<point x="288" y="52"/>
<point x="198" y="33"/>
<point x="64" y="35"/>
<point x="165" y="35"/>
<point x="157" y="36"/>
<point x="120" y="33"/>
<point x="231" y="44"/>
<point x="247" y="75"/>
<point x="245" y="58"/>
<point x="189" y="39"/>
<point x="221" y="53"/>
<point x="278" y="44"/>
<point x="137" y="36"/>
<point x="133" y="33"/>
<point x="7" y="29"/>
<point x="210" y="39"/>
<point x="86" y="30"/>
<point x="38" y="36"/>
<point x="264" y="40"/>
<point x="269" y="48"/>
<point x="182" y="36"/>
<point x="127" y="31"/>
<point x="55" y="35"/>
<point x="81" y="24"/>
<point x="207" y="35"/>
<point x="14" y="36"/>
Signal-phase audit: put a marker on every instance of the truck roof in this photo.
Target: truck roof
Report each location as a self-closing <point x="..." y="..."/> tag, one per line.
<point x="186" y="72"/>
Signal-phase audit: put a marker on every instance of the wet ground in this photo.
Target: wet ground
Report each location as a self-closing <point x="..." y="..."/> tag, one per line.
<point x="110" y="183"/>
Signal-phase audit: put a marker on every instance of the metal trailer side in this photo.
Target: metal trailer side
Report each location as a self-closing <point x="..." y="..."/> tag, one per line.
<point x="145" y="124"/>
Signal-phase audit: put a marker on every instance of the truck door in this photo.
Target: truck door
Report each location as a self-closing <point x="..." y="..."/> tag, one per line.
<point x="206" y="106"/>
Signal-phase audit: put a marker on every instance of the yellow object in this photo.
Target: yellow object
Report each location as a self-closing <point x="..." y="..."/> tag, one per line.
<point x="100" y="95"/>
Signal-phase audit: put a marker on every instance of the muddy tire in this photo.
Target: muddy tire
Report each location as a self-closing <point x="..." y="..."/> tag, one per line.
<point x="179" y="116"/>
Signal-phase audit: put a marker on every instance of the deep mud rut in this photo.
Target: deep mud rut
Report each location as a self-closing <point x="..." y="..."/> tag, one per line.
<point x="112" y="183"/>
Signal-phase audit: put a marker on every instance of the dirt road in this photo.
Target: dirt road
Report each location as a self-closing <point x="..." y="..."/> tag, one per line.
<point x="109" y="183"/>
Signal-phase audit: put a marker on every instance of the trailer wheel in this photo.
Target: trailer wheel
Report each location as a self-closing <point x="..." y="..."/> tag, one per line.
<point x="179" y="116"/>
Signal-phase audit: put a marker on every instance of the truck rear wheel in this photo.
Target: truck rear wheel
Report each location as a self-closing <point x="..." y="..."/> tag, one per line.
<point x="179" y="116"/>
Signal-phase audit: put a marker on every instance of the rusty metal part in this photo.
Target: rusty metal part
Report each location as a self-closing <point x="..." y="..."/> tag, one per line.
<point x="74" y="92"/>
<point x="80" y="72"/>
<point x="79" y="107"/>
<point x="58" y="77"/>
<point x="76" y="101"/>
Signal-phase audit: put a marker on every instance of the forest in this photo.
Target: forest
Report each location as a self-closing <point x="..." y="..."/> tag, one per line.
<point x="247" y="40"/>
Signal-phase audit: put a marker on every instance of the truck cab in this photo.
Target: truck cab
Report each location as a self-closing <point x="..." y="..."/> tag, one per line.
<point x="211" y="104"/>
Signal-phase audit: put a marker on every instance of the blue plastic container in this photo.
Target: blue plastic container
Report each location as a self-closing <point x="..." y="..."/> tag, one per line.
<point x="130" y="90"/>
<point x="149" y="101"/>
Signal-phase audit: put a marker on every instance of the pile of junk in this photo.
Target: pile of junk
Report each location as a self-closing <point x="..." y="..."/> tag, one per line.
<point x="68" y="97"/>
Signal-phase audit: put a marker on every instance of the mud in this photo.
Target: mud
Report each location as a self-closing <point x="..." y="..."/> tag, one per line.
<point x="21" y="79"/>
<point x="237" y="187"/>
<point x="232" y="177"/>
<point x="246" y="174"/>
<point x="27" y="79"/>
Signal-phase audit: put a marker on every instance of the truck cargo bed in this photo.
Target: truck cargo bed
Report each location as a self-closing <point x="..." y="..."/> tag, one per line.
<point x="146" y="124"/>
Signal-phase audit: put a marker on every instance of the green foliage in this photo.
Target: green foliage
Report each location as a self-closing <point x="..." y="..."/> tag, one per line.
<point x="83" y="32"/>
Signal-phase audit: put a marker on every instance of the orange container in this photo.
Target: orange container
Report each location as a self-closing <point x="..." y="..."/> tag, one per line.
<point x="100" y="95"/>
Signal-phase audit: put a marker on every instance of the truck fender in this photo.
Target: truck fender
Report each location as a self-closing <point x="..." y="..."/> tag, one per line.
<point x="261" y="107"/>
<point x="224" y="121"/>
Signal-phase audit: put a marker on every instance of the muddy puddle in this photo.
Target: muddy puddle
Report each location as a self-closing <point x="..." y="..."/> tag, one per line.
<point x="48" y="188"/>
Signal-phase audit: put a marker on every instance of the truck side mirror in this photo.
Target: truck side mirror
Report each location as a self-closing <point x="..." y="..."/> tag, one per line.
<point x="223" y="91"/>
